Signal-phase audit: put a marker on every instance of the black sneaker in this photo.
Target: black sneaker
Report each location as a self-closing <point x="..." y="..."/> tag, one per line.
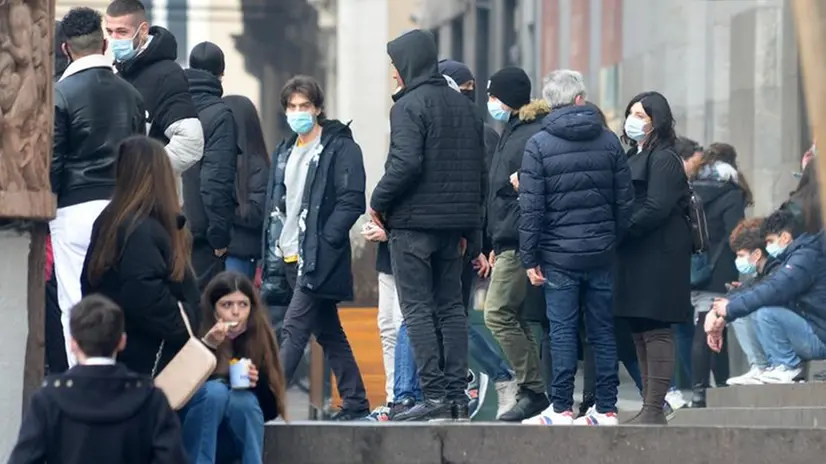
<point x="425" y="411"/>
<point x="529" y="404"/>
<point x="460" y="411"/>
<point x="345" y="415"/>
<point x="399" y="407"/>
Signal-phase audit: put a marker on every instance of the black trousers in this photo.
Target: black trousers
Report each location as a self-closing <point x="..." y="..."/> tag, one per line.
<point x="428" y="269"/>
<point x="310" y="315"/>
<point x="56" y="362"/>
<point x="704" y="361"/>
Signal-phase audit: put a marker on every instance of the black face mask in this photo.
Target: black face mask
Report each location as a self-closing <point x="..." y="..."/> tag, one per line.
<point x="470" y="93"/>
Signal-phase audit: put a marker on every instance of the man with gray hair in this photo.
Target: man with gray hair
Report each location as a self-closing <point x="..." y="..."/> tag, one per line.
<point x="575" y="199"/>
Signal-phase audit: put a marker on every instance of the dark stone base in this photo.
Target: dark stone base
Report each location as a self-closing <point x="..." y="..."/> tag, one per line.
<point x="305" y="443"/>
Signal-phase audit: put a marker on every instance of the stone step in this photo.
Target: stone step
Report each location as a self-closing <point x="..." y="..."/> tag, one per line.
<point x="744" y="417"/>
<point x="388" y="443"/>
<point x="812" y="394"/>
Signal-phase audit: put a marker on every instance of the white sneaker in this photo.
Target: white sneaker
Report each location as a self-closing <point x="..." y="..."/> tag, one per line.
<point x="781" y="375"/>
<point x="506" y="396"/>
<point x="592" y="417"/>
<point x="752" y="377"/>
<point x="675" y="399"/>
<point x="549" y="417"/>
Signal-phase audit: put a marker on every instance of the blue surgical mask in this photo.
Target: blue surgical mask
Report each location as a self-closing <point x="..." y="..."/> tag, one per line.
<point x="301" y="122"/>
<point x="744" y="266"/>
<point x="124" y="49"/>
<point x="497" y="112"/>
<point x="635" y="128"/>
<point x="774" y="250"/>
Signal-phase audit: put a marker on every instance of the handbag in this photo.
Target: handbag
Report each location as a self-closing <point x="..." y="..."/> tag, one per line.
<point x="187" y="371"/>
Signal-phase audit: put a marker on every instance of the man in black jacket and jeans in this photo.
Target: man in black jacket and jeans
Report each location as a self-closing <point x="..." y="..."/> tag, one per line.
<point x="430" y="199"/>
<point x="209" y="185"/>
<point x="94" y="111"/>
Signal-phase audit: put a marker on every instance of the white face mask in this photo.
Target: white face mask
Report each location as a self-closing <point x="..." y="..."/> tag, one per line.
<point x="635" y="128"/>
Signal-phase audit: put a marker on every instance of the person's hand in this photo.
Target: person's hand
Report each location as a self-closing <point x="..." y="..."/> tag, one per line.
<point x="492" y="258"/>
<point x="536" y="277"/>
<point x="715" y="341"/>
<point x="720" y="307"/>
<point x="736" y="284"/>
<point x="220" y="253"/>
<point x="719" y="325"/>
<point x="374" y="233"/>
<point x="462" y="246"/>
<point x="216" y="335"/>
<point x="515" y="181"/>
<point x="376" y="217"/>
<point x="253" y="374"/>
<point x="481" y="265"/>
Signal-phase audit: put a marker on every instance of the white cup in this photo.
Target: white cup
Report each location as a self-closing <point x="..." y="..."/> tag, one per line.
<point x="239" y="374"/>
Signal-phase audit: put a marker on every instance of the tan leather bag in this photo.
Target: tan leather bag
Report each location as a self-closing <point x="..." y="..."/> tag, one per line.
<point x="187" y="371"/>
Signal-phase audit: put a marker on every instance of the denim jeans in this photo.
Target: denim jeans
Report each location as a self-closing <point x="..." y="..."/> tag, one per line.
<point x="787" y="337"/>
<point x="241" y="266"/>
<point x="220" y="425"/>
<point x="563" y="291"/>
<point x="745" y="330"/>
<point x="683" y="338"/>
<point x="406" y="382"/>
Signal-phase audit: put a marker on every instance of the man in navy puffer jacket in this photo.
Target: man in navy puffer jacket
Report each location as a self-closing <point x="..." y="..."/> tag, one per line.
<point x="575" y="199"/>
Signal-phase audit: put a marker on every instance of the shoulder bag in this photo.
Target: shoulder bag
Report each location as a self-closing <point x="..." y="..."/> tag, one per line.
<point x="187" y="371"/>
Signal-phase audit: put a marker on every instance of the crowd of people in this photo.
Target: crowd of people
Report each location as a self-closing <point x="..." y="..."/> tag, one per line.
<point x="631" y="249"/>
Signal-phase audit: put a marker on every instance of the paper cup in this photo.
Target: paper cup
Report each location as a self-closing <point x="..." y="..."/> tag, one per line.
<point x="239" y="373"/>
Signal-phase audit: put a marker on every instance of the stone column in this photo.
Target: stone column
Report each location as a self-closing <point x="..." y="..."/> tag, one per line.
<point x="26" y="201"/>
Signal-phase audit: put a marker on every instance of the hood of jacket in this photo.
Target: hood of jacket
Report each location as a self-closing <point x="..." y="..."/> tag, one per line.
<point x="709" y="190"/>
<point x="99" y="394"/>
<point x="415" y="56"/>
<point x="536" y="109"/>
<point x="161" y="47"/>
<point x="204" y="87"/>
<point x="809" y="241"/>
<point x="574" y="122"/>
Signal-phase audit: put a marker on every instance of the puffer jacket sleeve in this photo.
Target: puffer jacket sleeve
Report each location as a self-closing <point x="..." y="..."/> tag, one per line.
<point x="404" y="161"/>
<point x="531" y="203"/>
<point x="218" y="179"/>
<point x="781" y="287"/>
<point x="275" y="289"/>
<point x="623" y="192"/>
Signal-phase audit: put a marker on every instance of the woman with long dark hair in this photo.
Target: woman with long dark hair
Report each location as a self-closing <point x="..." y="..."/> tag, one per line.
<point x="652" y="285"/>
<point x="253" y="169"/>
<point x="221" y="423"/>
<point x="139" y="257"/>
<point x="725" y="194"/>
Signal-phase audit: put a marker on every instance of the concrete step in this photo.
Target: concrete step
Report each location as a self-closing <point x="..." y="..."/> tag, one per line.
<point x="812" y="394"/>
<point x="386" y="443"/>
<point x="744" y="417"/>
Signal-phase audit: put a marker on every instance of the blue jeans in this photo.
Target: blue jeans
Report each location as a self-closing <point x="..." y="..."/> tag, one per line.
<point x="683" y="338"/>
<point x="406" y="382"/>
<point x="220" y="424"/>
<point x="787" y="337"/>
<point x="240" y="265"/>
<point x="563" y="290"/>
<point x="745" y="329"/>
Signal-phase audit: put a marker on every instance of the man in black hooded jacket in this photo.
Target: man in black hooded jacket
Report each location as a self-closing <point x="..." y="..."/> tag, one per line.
<point x="430" y="200"/>
<point x="209" y="185"/>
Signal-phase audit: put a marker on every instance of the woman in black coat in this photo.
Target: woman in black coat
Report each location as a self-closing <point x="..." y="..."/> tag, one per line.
<point x="139" y="257"/>
<point x="652" y="288"/>
<point x="246" y="237"/>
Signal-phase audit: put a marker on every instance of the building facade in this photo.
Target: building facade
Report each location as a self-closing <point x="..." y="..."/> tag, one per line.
<point x="729" y="68"/>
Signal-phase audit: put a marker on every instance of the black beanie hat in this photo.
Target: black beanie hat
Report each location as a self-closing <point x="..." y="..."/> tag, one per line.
<point x="457" y="71"/>
<point x="511" y="86"/>
<point x="208" y="57"/>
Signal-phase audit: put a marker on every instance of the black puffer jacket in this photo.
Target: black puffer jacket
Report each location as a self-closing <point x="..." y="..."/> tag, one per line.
<point x="503" y="200"/>
<point x="575" y="193"/>
<point x="209" y="185"/>
<point x="724" y="204"/>
<point x="435" y="171"/>
<point x="94" y="111"/>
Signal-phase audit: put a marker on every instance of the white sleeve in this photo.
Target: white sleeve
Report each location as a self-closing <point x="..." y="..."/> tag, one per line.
<point x="186" y="143"/>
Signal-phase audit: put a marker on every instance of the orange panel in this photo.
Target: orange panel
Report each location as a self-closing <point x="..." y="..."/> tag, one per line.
<point x="361" y="327"/>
